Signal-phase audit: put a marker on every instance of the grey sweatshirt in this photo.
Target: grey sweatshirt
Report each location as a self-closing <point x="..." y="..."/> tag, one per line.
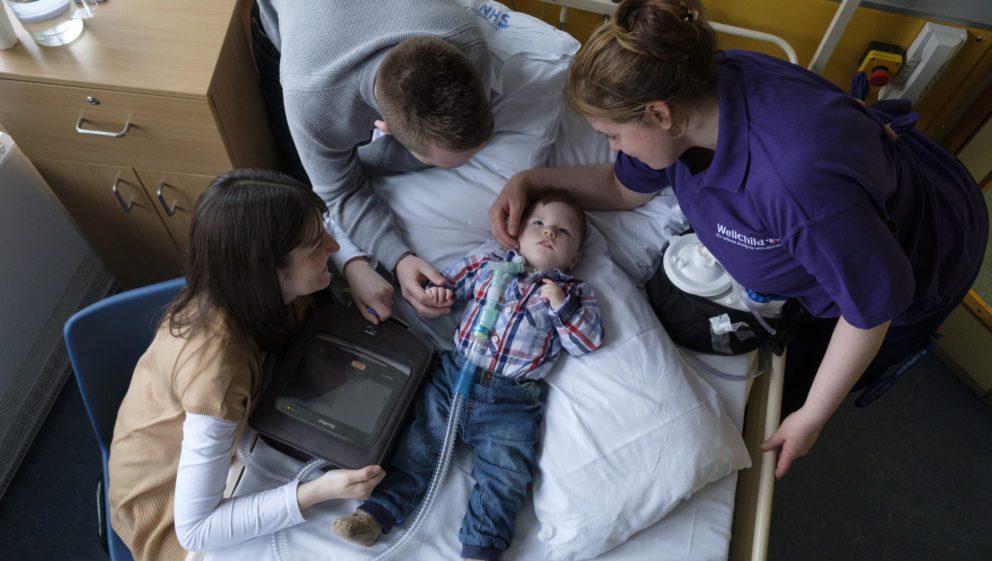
<point x="330" y="52"/>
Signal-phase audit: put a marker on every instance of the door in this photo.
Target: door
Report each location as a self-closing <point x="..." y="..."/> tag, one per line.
<point x="117" y="217"/>
<point x="174" y="195"/>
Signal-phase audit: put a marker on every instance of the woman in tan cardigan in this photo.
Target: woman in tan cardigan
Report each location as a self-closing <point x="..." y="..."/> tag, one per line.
<point x="258" y="247"/>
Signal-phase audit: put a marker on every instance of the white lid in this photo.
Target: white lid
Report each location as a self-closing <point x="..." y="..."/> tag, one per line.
<point x="691" y="267"/>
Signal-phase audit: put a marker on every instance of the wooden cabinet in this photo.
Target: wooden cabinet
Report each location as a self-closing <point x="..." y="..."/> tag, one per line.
<point x="131" y="122"/>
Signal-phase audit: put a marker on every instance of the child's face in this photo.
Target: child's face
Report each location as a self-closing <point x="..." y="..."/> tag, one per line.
<point x="550" y="238"/>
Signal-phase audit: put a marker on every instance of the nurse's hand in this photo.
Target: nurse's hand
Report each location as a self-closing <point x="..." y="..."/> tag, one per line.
<point x="340" y="484"/>
<point x="412" y="273"/>
<point x="369" y="290"/>
<point x="794" y="437"/>
<point x="504" y="214"/>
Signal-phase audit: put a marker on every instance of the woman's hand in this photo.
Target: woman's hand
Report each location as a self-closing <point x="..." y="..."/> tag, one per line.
<point x="552" y="294"/>
<point x="340" y="484"/>
<point x="504" y="214"/>
<point x="794" y="438"/>
<point x="412" y="272"/>
<point x="369" y="290"/>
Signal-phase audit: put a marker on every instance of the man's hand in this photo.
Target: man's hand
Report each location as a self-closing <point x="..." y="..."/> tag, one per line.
<point x="412" y="272"/>
<point x="552" y="294"/>
<point x="504" y="214"/>
<point x="369" y="290"/>
<point x="794" y="437"/>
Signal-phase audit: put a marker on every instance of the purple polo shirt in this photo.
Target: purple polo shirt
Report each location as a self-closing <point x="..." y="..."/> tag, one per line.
<point x="807" y="196"/>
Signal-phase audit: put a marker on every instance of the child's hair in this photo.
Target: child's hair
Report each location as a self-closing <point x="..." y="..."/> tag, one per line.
<point x="549" y="195"/>
<point x="244" y="226"/>
<point x="651" y="50"/>
<point x="430" y="93"/>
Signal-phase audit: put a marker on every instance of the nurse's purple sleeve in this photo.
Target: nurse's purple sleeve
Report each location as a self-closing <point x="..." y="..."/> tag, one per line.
<point x="858" y="262"/>
<point x="637" y="176"/>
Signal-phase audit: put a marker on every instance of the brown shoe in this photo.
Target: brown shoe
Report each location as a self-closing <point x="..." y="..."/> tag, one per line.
<point x="359" y="528"/>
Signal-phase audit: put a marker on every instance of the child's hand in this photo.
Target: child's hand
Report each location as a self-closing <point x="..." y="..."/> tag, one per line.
<point x="439" y="295"/>
<point x="369" y="290"/>
<point x="552" y="294"/>
<point x="340" y="484"/>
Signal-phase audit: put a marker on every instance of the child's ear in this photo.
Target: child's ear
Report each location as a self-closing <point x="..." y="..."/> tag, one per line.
<point x="383" y="127"/>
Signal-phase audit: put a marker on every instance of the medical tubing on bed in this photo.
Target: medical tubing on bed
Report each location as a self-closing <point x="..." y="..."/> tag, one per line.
<point x="440" y="472"/>
<point x="502" y="271"/>
<point x="279" y="549"/>
<point x="758" y="366"/>
<point x="248" y="459"/>
<point x="749" y="304"/>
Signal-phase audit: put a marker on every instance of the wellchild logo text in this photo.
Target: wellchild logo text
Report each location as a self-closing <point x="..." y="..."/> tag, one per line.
<point x="744" y="240"/>
<point x="496" y="18"/>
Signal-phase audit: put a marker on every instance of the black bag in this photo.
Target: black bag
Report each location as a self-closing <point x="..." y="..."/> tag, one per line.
<point x="686" y="318"/>
<point x="343" y="391"/>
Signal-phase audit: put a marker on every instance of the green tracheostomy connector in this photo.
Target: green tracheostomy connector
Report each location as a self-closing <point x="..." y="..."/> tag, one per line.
<point x="502" y="272"/>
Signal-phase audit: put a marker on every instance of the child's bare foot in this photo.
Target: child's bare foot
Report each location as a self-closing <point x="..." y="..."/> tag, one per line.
<point x="360" y="528"/>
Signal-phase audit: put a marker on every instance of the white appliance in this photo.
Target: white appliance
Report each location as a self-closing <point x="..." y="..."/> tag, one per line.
<point x="40" y="253"/>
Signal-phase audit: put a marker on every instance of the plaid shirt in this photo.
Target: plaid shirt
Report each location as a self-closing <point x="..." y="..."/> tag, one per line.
<point x="528" y="334"/>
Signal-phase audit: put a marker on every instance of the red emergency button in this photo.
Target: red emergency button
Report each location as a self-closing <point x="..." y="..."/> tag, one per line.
<point x="879" y="77"/>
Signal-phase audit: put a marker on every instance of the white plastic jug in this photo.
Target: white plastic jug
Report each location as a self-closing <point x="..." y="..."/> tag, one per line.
<point x="52" y="23"/>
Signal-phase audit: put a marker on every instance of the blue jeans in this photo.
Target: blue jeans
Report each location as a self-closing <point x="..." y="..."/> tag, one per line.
<point x="501" y="424"/>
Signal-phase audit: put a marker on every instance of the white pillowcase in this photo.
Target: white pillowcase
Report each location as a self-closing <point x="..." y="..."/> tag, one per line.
<point x="630" y="431"/>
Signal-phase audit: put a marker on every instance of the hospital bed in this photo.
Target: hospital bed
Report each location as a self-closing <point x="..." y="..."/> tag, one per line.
<point x="642" y="447"/>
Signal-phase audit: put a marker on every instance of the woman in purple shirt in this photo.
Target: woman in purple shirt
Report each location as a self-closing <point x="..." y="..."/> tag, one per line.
<point x="797" y="188"/>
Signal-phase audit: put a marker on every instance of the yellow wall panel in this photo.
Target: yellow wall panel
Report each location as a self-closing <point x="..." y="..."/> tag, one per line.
<point x="803" y="22"/>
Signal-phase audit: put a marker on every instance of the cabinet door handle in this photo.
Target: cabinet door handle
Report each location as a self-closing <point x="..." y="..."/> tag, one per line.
<point x="161" y="200"/>
<point x="126" y="206"/>
<point x="109" y="134"/>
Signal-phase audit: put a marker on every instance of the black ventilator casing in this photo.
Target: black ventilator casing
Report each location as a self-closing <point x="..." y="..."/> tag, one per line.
<point x="390" y="339"/>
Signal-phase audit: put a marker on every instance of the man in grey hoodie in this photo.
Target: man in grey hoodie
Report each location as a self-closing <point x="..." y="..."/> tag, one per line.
<point x="332" y="70"/>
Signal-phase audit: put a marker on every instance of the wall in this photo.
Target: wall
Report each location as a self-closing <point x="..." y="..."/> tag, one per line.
<point x="803" y="22"/>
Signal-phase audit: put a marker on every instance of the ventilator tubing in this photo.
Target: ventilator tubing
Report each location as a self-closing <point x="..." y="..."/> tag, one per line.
<point x="248" y="459"/>
<point x="502" y="272"/>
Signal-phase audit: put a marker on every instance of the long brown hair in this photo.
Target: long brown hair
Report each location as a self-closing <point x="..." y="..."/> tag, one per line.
<point x="245" y="224"/>
<point x="651" y="50"/>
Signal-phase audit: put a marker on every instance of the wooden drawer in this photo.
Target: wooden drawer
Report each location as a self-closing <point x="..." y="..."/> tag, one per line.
<point x="164" y="132"/>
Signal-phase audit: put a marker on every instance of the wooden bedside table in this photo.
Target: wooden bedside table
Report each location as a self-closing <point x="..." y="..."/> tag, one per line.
<point x="129" y="123"/>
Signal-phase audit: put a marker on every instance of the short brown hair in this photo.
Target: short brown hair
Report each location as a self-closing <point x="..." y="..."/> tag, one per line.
<point x="430" y="93"/>
<point x="651" y="50"/>
<point x="549" y="195"/>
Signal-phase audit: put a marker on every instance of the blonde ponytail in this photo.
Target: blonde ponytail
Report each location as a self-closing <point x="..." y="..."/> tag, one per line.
<point x="650" y="50"/>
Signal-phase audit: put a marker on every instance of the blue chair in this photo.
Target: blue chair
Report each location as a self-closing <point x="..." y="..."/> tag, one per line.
<point x="105" y="341"/>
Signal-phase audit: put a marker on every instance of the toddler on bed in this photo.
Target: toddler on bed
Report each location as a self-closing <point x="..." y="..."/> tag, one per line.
<point x="543" y="310"/>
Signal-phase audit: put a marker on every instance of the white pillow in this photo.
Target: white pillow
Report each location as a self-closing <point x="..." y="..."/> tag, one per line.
<point x="529" y="63"/>
<point x="630" y="431"/>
